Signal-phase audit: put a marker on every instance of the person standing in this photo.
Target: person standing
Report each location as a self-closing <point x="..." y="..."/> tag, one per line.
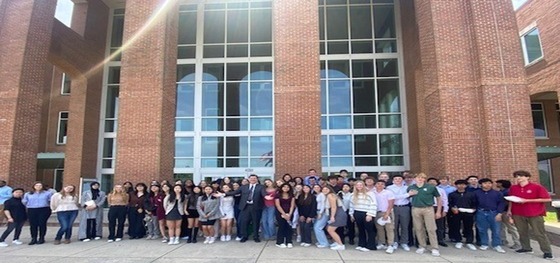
<point x="350" y="229"/>
<point x="307" y="207"/>
<point x="208" y="207"/>
<point x="16" y="214"/>
<point x="228" y="214"/>
<point x="251" y="206"/>
<point x="401" y="210"/>
<point x="458" y="202"/>
<point x="445" y="185"/>
<point x="38" y="206"/>
<point x="66" y="206"/>
<point x="529" y="212"/>
<point x="385" y="201"/>
<point x="137" y="206"/>
<point x="490" y="205"/>
<point x="269" y="209"/>
<point x="118" y="201"/>
<point x="192" y="213"/>
<point x="363" y="210"/>
<point x="440" y="223"/>
<point x="507" y="225"/>
<point x="423" y="215"/>
<point x="322" y="217"/>
<point x="337" y="217"/>
<point x="174" y="204"/>
<point x="285" y="205"/>
<point x="91" y="223"/>
<point x="156" y="201"/>
<point x="5" y="194"/>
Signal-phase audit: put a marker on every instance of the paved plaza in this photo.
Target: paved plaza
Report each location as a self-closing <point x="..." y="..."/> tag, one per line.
<point x="139" y="251"/>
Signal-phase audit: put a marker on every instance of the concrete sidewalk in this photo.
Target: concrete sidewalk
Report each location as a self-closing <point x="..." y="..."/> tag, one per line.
<point x="154" y="251"/>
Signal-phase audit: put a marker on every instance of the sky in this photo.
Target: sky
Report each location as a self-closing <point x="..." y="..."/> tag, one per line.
<point x="64" y="11"/>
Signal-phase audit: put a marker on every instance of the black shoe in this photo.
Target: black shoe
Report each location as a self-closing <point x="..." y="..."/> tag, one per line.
<point x="442" y="244"/>
<point x="351" y="242"/>
<point x="548" y="256"/>
<point x="33" y="242"/>
<point x="257" y="240"/>
<point x="243" y="240"/>
<point x="189" y="241"/>
<point x="41" y="241"/>
<point x="523" y="251"/>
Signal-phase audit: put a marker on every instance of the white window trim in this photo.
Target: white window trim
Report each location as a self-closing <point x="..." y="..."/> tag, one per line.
<point x="545" y="137"/>
<point x="371" y="131"/>
<point x="58" y="128"/>
<point x="62" y="86"/>
<point x="522" y="35"/>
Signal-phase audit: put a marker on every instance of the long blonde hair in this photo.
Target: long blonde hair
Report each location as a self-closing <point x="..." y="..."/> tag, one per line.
<point x="123" y="194"/>
<point x="357" y="192"/>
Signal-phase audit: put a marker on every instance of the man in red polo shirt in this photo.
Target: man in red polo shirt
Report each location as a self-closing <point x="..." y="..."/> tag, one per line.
<point x="529" y="210"/>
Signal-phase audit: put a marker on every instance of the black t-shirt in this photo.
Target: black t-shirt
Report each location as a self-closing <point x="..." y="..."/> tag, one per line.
<point x="16" y="208"/>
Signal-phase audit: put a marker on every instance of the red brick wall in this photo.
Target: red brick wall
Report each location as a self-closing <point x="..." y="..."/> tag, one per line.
<point x="24" y="71"/>
<point x="543" y="75"/>
<point x="146" y="141"/>
<point x="473" y="106"/>
<point x="297" y="93"/>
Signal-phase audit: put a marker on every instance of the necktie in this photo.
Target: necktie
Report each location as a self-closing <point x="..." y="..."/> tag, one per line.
<point x="252" y="189"/>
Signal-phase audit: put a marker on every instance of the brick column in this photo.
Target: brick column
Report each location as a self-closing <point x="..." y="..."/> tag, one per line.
<point x="85" y="101"/>
<point x="297" y="90"/>
<point x="24" y="29"/>
<point x="145" y="143"/>
<point x="504" y="96"/>
<point x="475" y="103"/>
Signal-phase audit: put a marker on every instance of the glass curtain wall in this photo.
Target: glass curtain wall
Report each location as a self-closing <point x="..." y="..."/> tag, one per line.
<point x="361" y="91"/>
<point x="224" y="117"/>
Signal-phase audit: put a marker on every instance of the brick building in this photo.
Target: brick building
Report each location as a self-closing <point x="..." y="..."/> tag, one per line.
<point x="208" y="88"/>
<point x="538" y="22"/>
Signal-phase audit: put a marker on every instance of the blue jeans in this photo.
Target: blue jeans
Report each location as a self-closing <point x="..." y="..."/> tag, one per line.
<point x="487" y="220"/>
<point x="66" y="220"/>
<point x="267" y="222"/>
<point x="318" y="227"/>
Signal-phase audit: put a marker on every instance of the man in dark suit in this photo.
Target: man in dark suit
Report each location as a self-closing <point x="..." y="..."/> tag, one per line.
<point x="250" y="206"/>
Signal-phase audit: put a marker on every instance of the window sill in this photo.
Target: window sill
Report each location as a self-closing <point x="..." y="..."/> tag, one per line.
<point x="534" y="62"/>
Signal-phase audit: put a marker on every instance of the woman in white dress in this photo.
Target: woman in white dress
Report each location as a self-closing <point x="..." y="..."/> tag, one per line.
<point x="228" y="214"/>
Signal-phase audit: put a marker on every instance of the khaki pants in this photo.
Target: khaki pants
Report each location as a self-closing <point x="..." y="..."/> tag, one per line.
<point x="511" y="229"/>
<point x="424" y="219"/>
<point x="536" y="223"/>
<point x="388" y="228"/>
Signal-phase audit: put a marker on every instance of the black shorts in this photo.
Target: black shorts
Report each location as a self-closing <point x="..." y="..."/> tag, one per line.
<point x="208" y="222"/>
<point x="193" y="213"/>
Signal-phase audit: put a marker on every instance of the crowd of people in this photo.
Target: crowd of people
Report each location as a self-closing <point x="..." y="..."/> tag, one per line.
<point x="389" y="212"/>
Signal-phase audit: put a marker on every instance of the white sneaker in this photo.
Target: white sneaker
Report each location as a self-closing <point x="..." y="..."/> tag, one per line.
<point x="298" y="238"/>
<point x="381" y="247"/>
<point x="97" y="238"/>
<point x="228" y="238"/>
<point x="110" y="241"/>
<point x="338" y="247"/>
<point x="223" y="238"/>
<point x="86" y="240"/>
<point x="420" y="250"/>
<point x="358" y="248"/>
<point x="237" y="238"/>
<point x="206" y="240"/>
<point x="363" y="249"/>
<point x="333" y="244"/>
<point x="405" y="247"/>
<point x="164" y="240"/>
<point x="118" y="239"/>
<point x="211" y="241"/>
<point x="281" y="245"/>
<point x="435" y="253"/>
<point x="459" y="245"/>
<point x="390" y="250"/>
<point x="483" y="247"/>
<point x="171" y="241"/>
<point x="471" y="247"/>
<point x="3" y="244"/>
<point x="396" y="245"/>
<point x="17" y="242"/>
<point x="148" y="237"/>
<point x="306" y="245"/>
<point x="177" y="242"/>
<point x="499" y="249"/>
<point x="321" y="246"/>
<point x="290" y="245"/>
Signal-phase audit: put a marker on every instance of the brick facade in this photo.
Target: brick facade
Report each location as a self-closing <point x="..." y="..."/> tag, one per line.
<point x="543" y="79"/>
<point x="466" y="95"/>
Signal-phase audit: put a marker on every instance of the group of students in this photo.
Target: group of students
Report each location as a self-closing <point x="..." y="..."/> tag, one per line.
<point x="389" y="212"/>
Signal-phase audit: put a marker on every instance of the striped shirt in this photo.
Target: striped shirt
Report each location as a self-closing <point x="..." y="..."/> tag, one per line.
<point x="363" y="203"/>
